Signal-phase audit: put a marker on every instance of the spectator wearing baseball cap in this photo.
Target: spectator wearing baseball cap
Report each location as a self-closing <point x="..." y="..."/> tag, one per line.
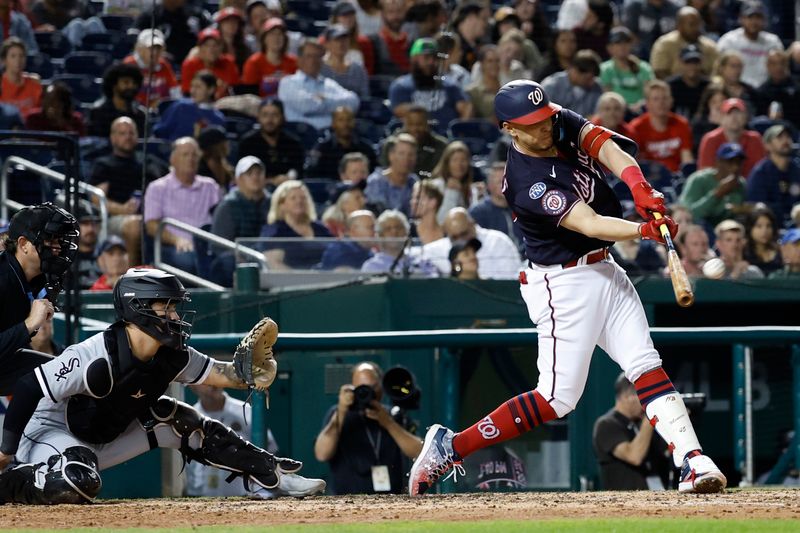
<point x="732" y="130"/>
<point x="446" y="100"/>
<point x="160" y="84"/>
<point x="242" y="211"/>
<point x="181" y="19"/>
<point x="730" y="241"/>
<point x="360" y="49"/>
<point x="266" y="68"/>
<point x="349" y="74"/>
<point x="688" y="85"/>
<point x="716" y="193"/>
<point x="209" y="56"/>
<point x="775" y="180"/>
<point x="751" y="42"/>
<point x="112" y="258"/>
<point x="231" y="25"/>
<point x="790" y="251"/>
<point x="624" y="73"/>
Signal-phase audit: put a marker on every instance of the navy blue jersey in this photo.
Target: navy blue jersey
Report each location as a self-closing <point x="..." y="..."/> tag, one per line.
<point x="542" y="190"/>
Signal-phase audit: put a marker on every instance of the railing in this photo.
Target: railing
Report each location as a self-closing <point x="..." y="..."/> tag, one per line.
<point x="52" y="175"/>
<point x="253" y="255"/>
<point x="742" y="339"/>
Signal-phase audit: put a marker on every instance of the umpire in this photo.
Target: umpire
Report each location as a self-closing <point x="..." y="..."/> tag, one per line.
<point x="40" y="246"/>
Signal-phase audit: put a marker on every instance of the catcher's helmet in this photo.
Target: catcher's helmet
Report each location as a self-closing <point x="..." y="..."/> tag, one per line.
<point x="523" y="102"/>
<point x="134" y="295"/>
<point x="44" y="225"/>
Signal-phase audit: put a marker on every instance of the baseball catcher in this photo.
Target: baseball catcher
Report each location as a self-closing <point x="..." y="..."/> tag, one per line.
<point x="101" y="403"/>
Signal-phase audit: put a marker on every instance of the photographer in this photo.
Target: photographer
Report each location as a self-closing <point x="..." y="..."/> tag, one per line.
<point x="362" y="442"/>
<point x="624" y="445"/>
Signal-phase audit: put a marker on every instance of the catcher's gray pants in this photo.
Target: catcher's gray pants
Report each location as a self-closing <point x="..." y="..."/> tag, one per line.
<point x="43" y="438"/>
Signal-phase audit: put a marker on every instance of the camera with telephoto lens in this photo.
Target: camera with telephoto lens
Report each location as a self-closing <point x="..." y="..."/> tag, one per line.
<point x="402" y="390"/>
<point x="362" y="397"/>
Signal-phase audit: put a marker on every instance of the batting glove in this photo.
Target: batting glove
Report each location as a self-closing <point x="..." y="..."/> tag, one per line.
<point x="647" y="200"/>
<point x="652" y="230"/>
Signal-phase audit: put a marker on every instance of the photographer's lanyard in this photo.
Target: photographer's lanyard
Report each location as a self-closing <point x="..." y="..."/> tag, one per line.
<point x="376" y="445"/>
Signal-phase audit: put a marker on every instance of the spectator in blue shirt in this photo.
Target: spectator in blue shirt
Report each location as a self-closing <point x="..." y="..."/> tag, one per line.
<point x="444" y="100"/>
<point x="775" y="180"/>
<point x="492" y="211"/>
<point x="392" y="257"/>
<point x="391" y="188"/>
<point x="186" y="117"/>
<point x="18" y="26"/>
<point x="351" y="253"/>
<point x="307" y="95"/>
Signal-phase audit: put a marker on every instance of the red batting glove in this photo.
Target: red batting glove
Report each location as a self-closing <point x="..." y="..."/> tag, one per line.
<point x="652" y="230"/>
<point x="647" y="200"/>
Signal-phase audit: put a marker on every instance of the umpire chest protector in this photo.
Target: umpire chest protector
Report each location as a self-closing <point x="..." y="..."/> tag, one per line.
<point x="126" y="393"/>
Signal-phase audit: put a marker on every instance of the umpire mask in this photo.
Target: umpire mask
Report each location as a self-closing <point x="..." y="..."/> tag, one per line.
<point x="54" y="233"/>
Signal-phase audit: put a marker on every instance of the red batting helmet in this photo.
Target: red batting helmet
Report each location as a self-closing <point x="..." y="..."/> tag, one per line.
<point x="523" y="102"/>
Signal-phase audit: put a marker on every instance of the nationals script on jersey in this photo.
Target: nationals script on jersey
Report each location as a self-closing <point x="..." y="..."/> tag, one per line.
<point x="542" y="190"/>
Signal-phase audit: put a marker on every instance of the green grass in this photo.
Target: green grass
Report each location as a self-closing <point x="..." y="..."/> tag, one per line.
<point x="633" y="525"/>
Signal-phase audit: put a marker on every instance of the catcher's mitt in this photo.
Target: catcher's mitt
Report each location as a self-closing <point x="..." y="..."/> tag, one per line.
<point x="253" y="360"/>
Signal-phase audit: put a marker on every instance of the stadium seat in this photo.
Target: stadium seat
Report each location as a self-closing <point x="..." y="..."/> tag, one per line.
<point x="376" y="110"/>
<point x="688" y="169"/>
<point x="95" y="7"/>
<point x="84" y="88"/>
<point x="308" y="27"/>
<point x="309" y="9"/>
<point x="40" y="64"/>
<point x="320" y="189"/>
<point x="164" y="104"/>
<point x="477" y="145"/>
<point x="53" y="43"/>
<point x="102" y="42"/>
<point x="379" y="85"/>
<point x="366" y="129"/>
<point x="117" y="22"/>
<point x="307" y="133"/>
<point x="239" y="126"/>
<point x="156" y="147"/>
<point x="657" y="174"/>
<point x="91" y="63"/>
<point x="478" y="128"/>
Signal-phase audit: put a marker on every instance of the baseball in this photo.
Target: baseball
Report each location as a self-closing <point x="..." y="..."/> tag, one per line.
<point x="714" y="268"/>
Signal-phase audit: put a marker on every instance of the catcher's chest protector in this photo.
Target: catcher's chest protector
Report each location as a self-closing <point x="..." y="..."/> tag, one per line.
<point x="136" y="387"/>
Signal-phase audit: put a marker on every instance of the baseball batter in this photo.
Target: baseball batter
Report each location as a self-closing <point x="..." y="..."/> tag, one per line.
<point x="100" y="403"/>
<point x="575" y="293"/>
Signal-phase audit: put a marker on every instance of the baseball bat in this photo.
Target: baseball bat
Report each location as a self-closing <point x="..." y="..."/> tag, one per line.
<point x="680" y="281"/>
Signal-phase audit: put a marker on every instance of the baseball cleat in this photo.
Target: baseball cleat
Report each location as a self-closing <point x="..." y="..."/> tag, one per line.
<point x="435" y="459"/>
<point x="292" y="485"/>
<point x="700" y="475"/>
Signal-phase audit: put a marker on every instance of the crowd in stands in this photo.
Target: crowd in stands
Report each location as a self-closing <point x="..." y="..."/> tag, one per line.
<point x="355" y="127"/>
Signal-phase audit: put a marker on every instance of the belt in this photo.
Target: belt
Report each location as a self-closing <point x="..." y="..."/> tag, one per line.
<point x="588" y="259"/>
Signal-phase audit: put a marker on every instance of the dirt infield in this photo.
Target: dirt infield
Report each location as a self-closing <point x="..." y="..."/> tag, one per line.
<point x="737" y="504"/>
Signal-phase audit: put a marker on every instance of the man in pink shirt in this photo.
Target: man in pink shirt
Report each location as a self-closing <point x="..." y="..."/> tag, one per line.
<point x="182" y="195"/>
<point x="731" y="130"/>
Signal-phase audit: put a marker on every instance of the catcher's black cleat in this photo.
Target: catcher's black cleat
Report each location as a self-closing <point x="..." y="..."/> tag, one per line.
<point x="288" y="466"/>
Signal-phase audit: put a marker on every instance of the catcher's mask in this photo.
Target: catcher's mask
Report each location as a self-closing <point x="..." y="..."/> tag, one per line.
<point x="54" y="233"/>
<point x="136" y="292"/>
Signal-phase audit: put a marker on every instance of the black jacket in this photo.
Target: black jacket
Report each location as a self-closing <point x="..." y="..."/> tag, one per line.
<point x="16" y="295"/>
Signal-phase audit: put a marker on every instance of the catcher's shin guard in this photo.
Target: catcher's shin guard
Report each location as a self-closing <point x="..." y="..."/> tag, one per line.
<point x="70" y="477"/>
<point x="222" y="447"/>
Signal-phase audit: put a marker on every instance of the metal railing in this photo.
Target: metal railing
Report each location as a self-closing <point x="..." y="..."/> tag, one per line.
<point x="252" y="254"/>
<point x="52" y="175"/>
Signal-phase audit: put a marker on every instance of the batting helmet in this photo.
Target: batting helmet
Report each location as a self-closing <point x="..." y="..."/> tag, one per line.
<point x="45" y="225"/>
<point x="523" y="102"/>
<point x="134" y="295"/>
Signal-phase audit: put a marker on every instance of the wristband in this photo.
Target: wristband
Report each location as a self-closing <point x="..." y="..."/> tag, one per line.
<point x="632" y="175"/>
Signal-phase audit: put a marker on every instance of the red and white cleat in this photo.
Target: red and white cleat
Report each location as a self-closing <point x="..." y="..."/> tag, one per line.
<point x="701" y="476"/>
<point x="436" y="458"/>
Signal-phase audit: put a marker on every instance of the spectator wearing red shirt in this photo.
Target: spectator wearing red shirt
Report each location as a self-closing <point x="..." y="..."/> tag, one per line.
<point x="161" y="80"/>
<point x="392" y="43"/>
<point x="732" y="130"/>
<point x="266" y="68"/>
<point x="209" y="56"/>
<point x="663" y="136"/>
<point x="19" y="88"/>
<point x="611" y="114"/>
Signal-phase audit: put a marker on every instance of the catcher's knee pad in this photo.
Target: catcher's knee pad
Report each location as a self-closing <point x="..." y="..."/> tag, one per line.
<point x="70" y="477"/>
<point x="184" y="419"/>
